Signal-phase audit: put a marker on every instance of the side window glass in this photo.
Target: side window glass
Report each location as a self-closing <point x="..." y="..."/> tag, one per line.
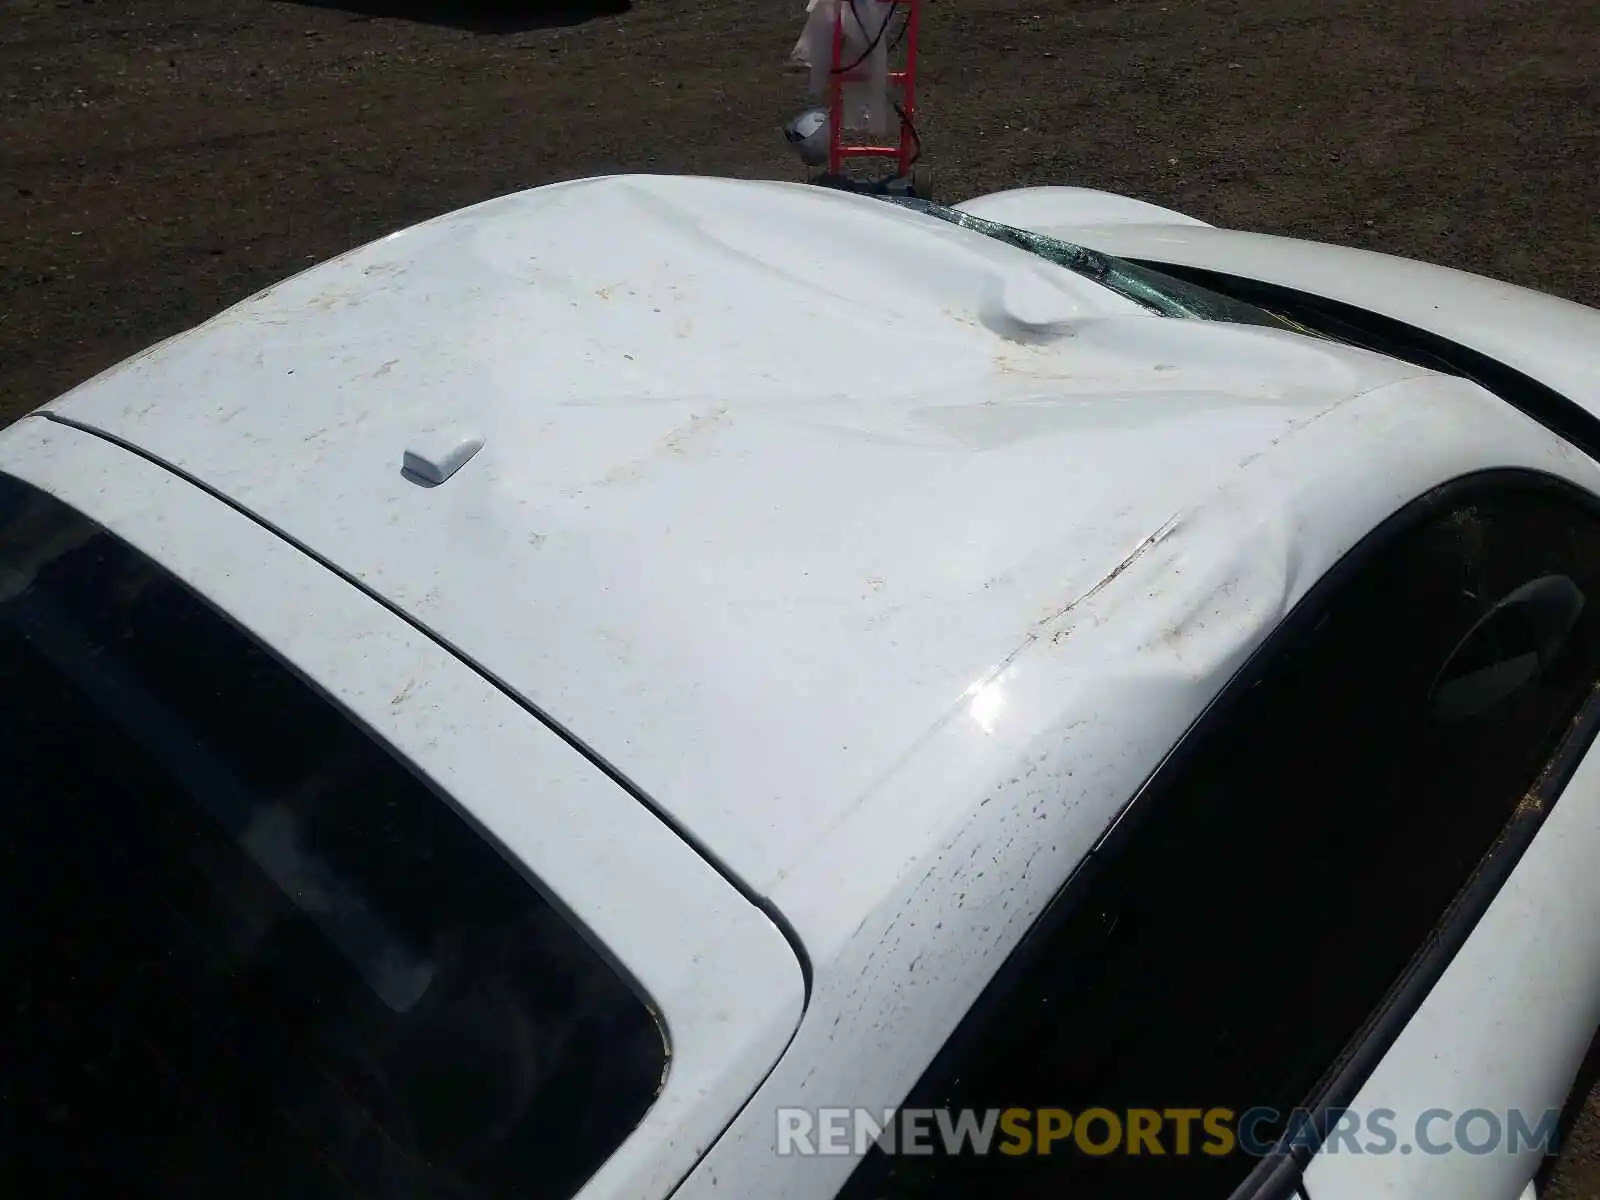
<point x="1228" y="944"/>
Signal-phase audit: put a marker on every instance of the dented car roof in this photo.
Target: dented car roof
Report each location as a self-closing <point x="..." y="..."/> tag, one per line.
<point x="806" y="514"/>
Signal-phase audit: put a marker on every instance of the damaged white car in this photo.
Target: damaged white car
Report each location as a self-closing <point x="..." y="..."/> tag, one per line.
<point x="664" y="686"/>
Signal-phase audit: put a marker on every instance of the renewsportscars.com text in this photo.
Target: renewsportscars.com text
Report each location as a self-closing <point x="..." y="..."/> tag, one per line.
<point x="1212" y="1132"/>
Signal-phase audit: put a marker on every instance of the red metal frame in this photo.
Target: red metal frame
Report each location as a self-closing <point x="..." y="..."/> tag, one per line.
<point x="905" y="78"/>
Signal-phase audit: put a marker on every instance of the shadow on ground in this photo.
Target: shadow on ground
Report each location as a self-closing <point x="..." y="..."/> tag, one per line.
<point x="480" y="16"/>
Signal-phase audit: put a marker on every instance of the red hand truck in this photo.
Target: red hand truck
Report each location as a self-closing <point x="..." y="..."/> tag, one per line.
<point x="903" y="78"/>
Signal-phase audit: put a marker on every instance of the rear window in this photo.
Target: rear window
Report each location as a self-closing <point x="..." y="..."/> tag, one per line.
<point x="247" y="951"/>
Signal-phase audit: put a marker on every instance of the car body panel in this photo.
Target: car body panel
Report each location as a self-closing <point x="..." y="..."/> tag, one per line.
<point x="1555" y="341"/>
<point x="807" y="525"/>
<point x="719" y="974"/>
<point x="1032" y="207"/>
<point x="1090" y="708"/>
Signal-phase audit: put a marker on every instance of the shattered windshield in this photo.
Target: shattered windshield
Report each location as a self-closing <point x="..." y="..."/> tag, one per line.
<point x="1155" y="291"/>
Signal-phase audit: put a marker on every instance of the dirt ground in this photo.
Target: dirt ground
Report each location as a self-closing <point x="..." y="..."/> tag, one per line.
<point x="160" y="159"/>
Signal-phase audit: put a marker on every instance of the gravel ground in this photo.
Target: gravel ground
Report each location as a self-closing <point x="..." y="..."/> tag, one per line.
<point x="160" y="159"/>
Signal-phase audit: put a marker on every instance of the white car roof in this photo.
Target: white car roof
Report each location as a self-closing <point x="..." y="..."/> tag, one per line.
<point x="776" y="482"/>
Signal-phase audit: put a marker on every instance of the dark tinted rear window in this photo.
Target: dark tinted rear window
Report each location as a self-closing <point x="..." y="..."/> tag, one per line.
<point x="247" y="952"/>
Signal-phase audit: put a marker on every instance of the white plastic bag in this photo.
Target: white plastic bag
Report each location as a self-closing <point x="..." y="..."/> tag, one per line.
<point x="866" y="104"/>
